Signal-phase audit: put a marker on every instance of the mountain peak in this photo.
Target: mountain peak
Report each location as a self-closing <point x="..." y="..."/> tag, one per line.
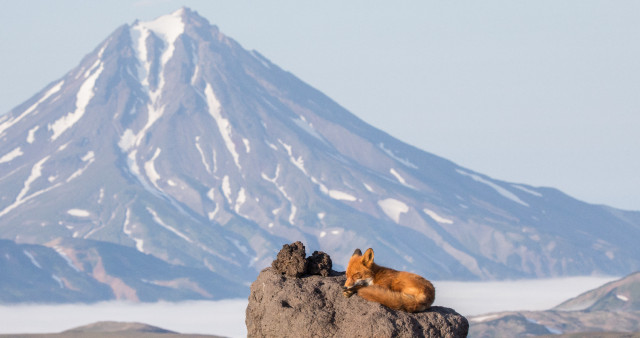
<point x="168" y="27"/>
<point x="174" y="141"/>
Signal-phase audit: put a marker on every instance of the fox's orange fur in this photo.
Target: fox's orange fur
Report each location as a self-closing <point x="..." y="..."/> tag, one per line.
<point x="399" y="290"/>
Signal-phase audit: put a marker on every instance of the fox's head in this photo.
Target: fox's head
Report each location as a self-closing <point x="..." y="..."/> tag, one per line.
<point x="359" y="271"/>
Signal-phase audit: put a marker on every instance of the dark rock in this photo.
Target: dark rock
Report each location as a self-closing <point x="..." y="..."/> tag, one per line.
<point x="319" y="263"/>
<point x="313" y="306"/>
<point x="291" y="260"/>
<point x="118" y="327"/>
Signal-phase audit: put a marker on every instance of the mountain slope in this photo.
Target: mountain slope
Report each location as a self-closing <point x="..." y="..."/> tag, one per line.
<point x="620" y="295"/>
<point x="34" y="273"/>
<point x="172" y="139"/>
<point x="90" y="271"/>
<point x="612" y="307"/>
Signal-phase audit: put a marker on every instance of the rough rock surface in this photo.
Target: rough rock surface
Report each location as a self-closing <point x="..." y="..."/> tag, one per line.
<point x="319" y="263"/>
<point x="291" y="260"/>
<point x="313" y="306"/>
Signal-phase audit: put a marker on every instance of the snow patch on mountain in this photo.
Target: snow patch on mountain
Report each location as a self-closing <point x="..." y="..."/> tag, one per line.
<point x="83" y="97"/>
<point x="226" y="188"/>
<point x="247" y="144"/>
<point x="150" y="169"/>
<point x="139" y="37"/>
<point x="298" y="162"/>
<point x="10" y="156"/>
<point x="78" y="212"/>
<point x="309" y="129"/>
<point x="282" y="191"/>
<point x="167" y="28"/>
<point x="239" y="246"/>
<point x="10" y="122"/>
<point x="502" y="191"/>
<point x="194" y="61"/>
<point x="88" y="158"/>
<point x="31" y="135"/>
<point x="622" y="298"/>
<point x="437" y="217"/>
<point x="400" y="178"/>
<point x="32" y="259"/>
<point x="480" y="319"/>
<point x="66" y="258"/>
<point x="127" y="229"/>
<point x="160" y="222"/>
<point x="393" y="208"/>
<point x="36" y="172"/>
<point x="534" y="193"/>
<point x="397" y="158"/>
<point x="224" y="127"/>
<point x="127" y="140"/>
<point x="58" y="280"/>
<point x="333" y="231"/>
<point x="342" y="196"/>
<point x="368" y="187"/>
<point x="240" y="200"/>
<point x="132" y="164"/>
<point x="202" y="157"/>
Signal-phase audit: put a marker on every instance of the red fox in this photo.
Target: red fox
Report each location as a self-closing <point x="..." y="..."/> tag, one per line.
<point x="399" y="290"/>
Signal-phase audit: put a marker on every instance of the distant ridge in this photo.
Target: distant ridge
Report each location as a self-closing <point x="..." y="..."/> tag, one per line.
<point x="619" y="295"/>
<point x="607" y="311"/>
<point x="118" y="327"/>
<point x="110" y="329"/>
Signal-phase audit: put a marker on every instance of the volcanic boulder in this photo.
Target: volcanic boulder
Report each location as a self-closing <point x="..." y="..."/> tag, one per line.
<point x="291" y="260"/>
<point x="319" y="263"/>
<point x="313" y="306"/>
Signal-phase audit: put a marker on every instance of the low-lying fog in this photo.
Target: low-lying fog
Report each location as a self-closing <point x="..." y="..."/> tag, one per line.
<point x="226" y="317"/>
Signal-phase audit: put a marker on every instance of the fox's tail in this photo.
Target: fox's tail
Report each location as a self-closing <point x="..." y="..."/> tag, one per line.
<point x="396" y="300"/>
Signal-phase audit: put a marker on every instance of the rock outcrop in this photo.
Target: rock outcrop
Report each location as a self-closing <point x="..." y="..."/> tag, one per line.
<point x="291" y="260"/>
<point x="313" y="306"/>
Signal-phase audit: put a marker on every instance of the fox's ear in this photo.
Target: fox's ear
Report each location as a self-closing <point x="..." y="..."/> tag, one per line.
<point x="357" y="253"/>
<point x="367" y="260"/>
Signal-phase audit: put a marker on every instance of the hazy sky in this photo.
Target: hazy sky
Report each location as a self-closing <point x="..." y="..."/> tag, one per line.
<point x="540" y="92"/>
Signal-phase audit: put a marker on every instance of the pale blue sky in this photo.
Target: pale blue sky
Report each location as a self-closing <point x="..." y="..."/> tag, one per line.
<point x="540" y="92"/>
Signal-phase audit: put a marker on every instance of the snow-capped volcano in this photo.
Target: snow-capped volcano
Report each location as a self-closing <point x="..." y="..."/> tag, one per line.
<point x="171" y="140"/>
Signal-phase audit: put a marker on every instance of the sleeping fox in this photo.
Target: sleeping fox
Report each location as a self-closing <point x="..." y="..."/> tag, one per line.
<point x="399" y="290"/>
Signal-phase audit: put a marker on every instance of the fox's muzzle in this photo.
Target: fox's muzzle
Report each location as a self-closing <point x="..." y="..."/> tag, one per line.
<point x="348" y="291"/>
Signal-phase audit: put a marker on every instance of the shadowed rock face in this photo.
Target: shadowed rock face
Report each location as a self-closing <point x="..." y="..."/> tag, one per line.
<point x="319" y="263"/>
<point x="291" y="260"/>
<point x="313" y="306"/>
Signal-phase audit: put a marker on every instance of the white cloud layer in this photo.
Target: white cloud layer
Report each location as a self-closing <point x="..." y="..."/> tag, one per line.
<point x="226" y="317"/>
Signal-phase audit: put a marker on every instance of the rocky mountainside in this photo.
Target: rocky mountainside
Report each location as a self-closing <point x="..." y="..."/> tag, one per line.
<point x="612" y="307"/>
<point x="91" y="271"/>
<point x="170" y="141"/>
<point x="36" y="273"/>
